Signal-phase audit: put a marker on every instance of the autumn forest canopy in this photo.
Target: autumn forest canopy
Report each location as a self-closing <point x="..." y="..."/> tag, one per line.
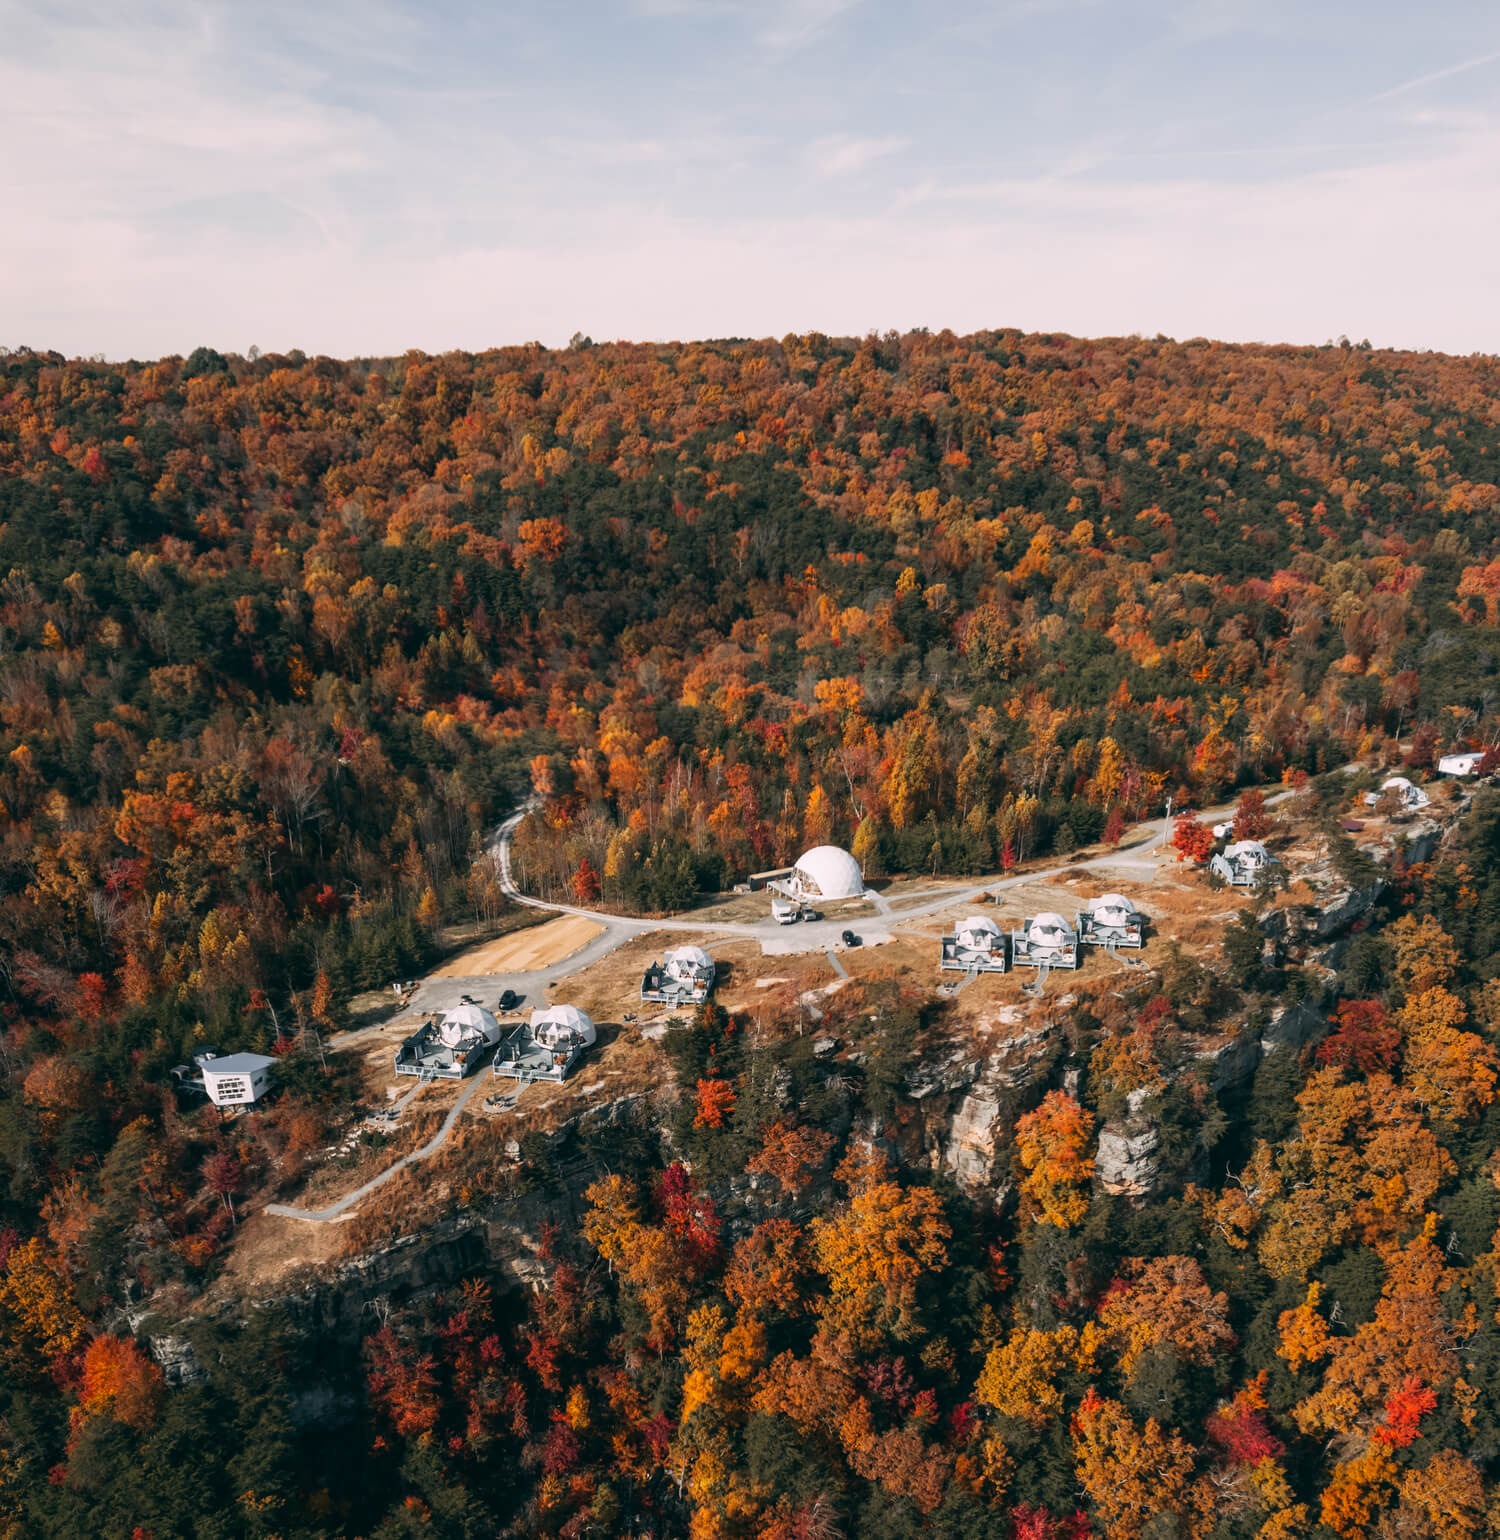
<point x="283" y="639"/>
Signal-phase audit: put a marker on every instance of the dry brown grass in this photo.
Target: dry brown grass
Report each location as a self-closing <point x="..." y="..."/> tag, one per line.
<point x="270" y="1252"/>
<point x="538" y="946"/>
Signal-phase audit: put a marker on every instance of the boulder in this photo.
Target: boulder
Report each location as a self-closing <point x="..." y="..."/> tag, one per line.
<point x="179" y="1363"/>
<point x="954" y="1073"/>
<point x="1125" y="1163"/>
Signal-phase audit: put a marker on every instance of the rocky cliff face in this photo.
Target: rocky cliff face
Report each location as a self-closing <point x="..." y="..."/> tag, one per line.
<point x="1125" y="1162"/>
<point x="503" y="1238"/>
<point x="979" y="1125"/>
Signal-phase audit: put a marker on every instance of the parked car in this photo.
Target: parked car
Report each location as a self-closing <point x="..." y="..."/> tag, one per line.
<point x="850" y="939"/>
<point x="812" y="914"/>
<point x="510" y="1000"/>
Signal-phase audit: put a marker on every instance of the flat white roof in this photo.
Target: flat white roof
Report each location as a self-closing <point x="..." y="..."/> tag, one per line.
<point x="236" y="1064"/>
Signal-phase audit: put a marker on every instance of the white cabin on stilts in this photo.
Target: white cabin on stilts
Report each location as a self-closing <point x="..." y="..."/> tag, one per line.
<point x="236" y="1079"/>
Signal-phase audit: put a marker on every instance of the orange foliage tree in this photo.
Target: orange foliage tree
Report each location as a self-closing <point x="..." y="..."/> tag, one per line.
<point x="118" y="1380"/>
<point x="875" y="1253"/>
<point x="1053" y="1142"/>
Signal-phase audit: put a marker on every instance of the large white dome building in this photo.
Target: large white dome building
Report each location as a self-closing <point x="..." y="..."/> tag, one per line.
<point x="828" y="873"/>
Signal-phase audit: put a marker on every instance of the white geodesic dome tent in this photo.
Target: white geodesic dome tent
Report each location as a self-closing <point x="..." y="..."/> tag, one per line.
<point x="1111" y="909"/>
<point x="1410" y="794"/>
<point x="1249" y="853"/>
<point x="978" y="933"/>
<point x="562" y="1025"/>
<point x="827" y="872"/>
<point x="687" y="962"/>
<point x="1049" y="929"/>
<point x="466" y="1024"/>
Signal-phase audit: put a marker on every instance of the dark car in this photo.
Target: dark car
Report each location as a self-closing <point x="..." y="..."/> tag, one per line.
<point x="850" y="939"/>
<point x="510" y="1000"/>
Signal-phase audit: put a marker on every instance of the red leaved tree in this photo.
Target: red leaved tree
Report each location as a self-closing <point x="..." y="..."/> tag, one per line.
<point x="402" y="1382"/>
<point x="586" y="886"/>
<point x="1251" y="821"/>
<point x="1190" y="839"/>
<point x="1404" y="1412"/>
<point x="1363" y="1038"/>
<point x="715" y="1103"/>
<point x="223" y="1174"/>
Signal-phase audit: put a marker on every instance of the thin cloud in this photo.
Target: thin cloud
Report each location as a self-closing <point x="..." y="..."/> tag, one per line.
<point x="237" y="182"/>
<point x="1433" y="76"/>
<point x="795" y="23"/>
<point x="841" y="154"/>
<point x="780" y="24"/>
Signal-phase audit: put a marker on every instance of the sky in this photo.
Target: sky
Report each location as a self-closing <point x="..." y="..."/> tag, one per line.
<point x="360" y="177"/>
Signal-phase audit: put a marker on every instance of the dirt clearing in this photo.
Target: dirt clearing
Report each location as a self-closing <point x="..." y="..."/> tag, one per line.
<point x="270" y="1252"/>
<point x="537" y="947"/>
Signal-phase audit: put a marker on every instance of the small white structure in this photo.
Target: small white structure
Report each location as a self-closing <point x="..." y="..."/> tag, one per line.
<point x="1465" y="763"/>
<point x="548" y="1046"/>
<point x="450" y="1047"/>
<point x="824" y="873"/>
<point x="685" y="975"/>
<point x="1111" y="920"/>
<point x="1047" y="941"/>
<point x="977" y="945"/>
<point x="1410" y="797"/>
<point x="236" y="1079"/>
<point x="1241" y="864"/>
<point x="757" y="881"/>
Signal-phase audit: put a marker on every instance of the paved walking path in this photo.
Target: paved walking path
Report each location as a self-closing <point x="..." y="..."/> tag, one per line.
<point x="433" y="1145"/>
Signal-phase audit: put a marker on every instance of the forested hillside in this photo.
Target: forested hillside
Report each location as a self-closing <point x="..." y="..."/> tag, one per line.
<point x="282" y="639"/>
